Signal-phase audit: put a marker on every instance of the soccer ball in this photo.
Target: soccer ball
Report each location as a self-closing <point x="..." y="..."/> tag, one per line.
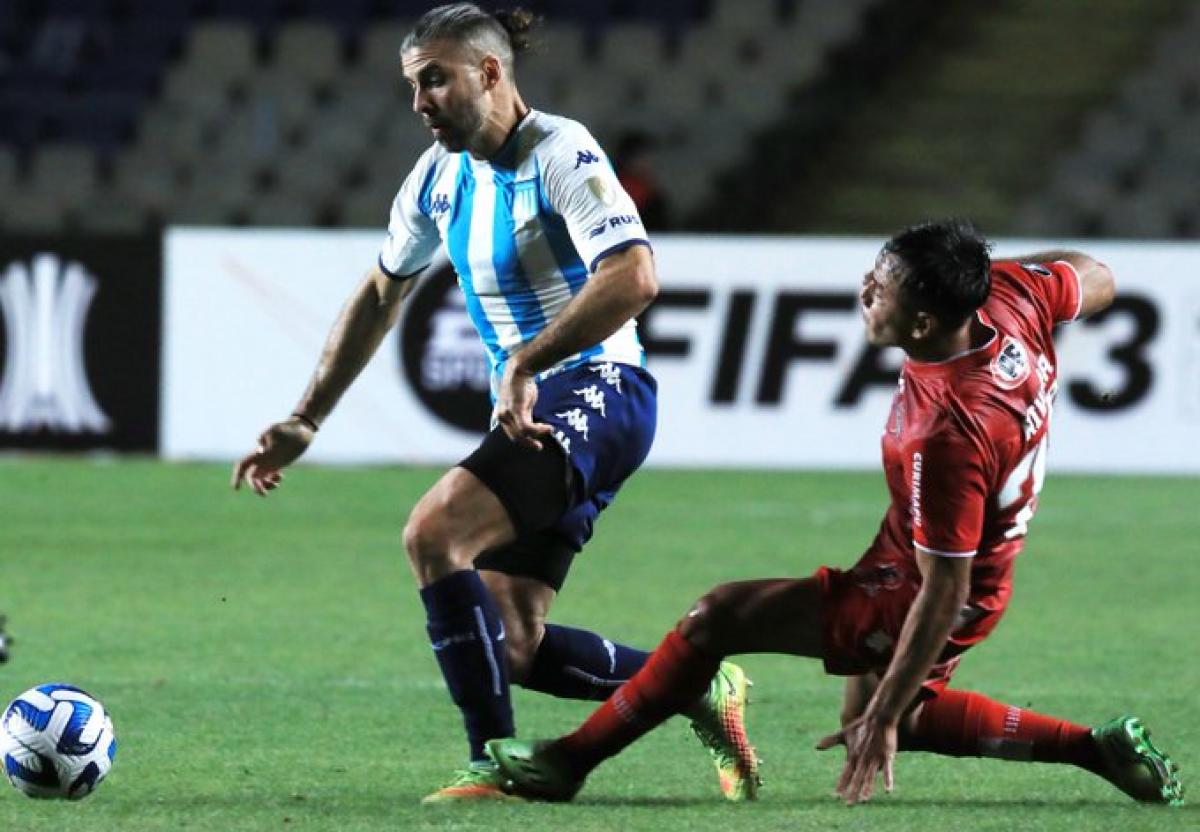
<point x="56" y="741"/>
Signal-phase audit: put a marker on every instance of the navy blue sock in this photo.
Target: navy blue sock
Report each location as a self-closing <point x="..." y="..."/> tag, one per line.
<point x="468" y="641"/>
<point x="576" y="664"/>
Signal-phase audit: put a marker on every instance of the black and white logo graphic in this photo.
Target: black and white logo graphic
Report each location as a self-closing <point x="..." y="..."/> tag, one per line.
<point x="443" y="356"/>
<point x="80" y="342"/>
<point x="45" y="304"/>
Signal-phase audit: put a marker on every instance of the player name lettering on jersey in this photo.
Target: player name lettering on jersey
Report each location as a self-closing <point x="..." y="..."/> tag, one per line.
<point x="915" y="499"/>
<point x="1038" y="413"/>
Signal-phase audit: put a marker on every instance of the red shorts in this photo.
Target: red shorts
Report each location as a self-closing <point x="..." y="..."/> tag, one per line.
<point x="863" y="611"/>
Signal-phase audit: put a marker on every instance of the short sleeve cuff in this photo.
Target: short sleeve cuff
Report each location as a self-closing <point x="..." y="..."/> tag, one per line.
<point x="942" y="553"/>
<point x="393" y="275"/>
<point x="1078" y="287"/>
<point x="618" y="247"/>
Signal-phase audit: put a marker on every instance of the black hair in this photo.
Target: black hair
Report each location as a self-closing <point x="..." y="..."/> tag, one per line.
<point x="510" y="29"/>
<point x="945" y="268"/>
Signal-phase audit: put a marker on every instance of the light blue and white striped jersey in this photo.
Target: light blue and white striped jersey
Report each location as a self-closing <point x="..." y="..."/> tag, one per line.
<point x="524" y="231"/>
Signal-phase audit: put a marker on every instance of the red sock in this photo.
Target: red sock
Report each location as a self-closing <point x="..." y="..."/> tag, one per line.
<point x="959" y="723"/>
<point x="675" y="676"/>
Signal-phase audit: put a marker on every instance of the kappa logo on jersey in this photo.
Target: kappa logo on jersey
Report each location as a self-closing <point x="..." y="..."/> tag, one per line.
<point x="585" y="157"/>
<point x="1037" y="268"/>
<point x="612" y="222"/>
<point x="1011" y="367"/>
<point x="440" y="205"/>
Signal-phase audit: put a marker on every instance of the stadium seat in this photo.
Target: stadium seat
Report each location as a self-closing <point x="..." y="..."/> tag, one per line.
<point x="110" y="212"/>
<point x="281" y="209"/>
<point x="631" y="50"/>
<point x="379" y="50"/>
<point x="223" y="52"/>
<point x="310" y="51"/>
<point x="66" y="171"/>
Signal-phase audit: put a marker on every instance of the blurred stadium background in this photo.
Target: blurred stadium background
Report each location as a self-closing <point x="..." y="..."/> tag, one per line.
<point x="1066" y="118"/>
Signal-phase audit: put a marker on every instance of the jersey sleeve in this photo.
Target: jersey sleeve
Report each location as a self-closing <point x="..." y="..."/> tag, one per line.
<point x="412" y="236"/>
<point x="948" y="489"/>
<point x="582" y="187"/>
<point x="1058" y="285"/>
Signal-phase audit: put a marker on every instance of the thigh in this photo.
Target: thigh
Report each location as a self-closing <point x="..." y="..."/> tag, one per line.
<point x="456" y="519"/>
<point x="775" y="615"/>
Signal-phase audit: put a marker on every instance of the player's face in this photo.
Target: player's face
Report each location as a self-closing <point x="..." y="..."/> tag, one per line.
<point x="887" y="320"/>
<point x="448" y="92"/>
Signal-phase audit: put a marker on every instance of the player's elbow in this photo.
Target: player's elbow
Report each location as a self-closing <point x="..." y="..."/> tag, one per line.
<point x="645" y="284"/>
<point x="1099" y="288"/>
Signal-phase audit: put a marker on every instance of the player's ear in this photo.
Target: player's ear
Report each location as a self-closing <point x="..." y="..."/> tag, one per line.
<point x="493" y="72"/>
<point x="924" y="326"/>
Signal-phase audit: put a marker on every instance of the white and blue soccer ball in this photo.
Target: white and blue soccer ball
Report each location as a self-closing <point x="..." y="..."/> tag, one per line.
<point x="57" y="741"/>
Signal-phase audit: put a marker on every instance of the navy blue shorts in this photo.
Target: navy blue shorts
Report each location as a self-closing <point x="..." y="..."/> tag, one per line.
<point x="604" y="417"/>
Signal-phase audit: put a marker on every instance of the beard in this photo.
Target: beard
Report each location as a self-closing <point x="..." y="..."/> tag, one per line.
<point x="455" y="131"/>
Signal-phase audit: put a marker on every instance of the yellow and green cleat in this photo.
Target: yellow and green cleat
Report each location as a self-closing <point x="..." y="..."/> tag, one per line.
<point x="720" y="724"/>
<point x="479" y="782"/>
<point x="1134" y="764"/>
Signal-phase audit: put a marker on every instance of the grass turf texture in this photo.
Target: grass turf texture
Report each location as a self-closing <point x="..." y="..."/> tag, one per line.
<point x="266" y="664"/>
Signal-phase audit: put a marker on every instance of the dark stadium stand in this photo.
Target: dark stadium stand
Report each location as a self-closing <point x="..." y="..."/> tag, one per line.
<point x="115" y="114"/>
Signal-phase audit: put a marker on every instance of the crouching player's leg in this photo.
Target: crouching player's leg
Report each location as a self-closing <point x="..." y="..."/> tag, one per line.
<point x="768" y="616"/>
<point x="962" y="723"/>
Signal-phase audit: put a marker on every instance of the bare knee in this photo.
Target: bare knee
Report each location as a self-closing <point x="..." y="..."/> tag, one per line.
<point x="432" y="549"/>
<point x="712" y="621"/>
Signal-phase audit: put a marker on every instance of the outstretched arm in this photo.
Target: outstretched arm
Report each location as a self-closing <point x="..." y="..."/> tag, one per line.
<point x="371" y="311"/>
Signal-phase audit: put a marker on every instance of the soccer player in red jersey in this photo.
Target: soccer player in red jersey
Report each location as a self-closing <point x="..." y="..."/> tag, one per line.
<point x="964" y="452"/>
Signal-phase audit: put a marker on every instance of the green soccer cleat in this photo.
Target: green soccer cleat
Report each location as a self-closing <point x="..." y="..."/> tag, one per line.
<point x="535" y="769"/>
<point x="479" y="782"/>
<point x="721" y="728"/>
<point x="1134" y="765"/>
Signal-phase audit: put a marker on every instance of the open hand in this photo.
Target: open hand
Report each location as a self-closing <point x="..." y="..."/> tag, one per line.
<point x="870" y="749"/>
<point x="278" y="447"/>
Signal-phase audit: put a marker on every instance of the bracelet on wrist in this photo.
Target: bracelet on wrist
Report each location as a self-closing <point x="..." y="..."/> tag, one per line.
<point x="312" y="425"/>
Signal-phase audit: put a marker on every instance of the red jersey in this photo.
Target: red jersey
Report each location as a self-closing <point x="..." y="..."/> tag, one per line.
<point x="964" y="450"/>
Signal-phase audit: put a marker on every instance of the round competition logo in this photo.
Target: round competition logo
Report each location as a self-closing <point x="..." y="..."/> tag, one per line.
<point x="442" y="355"/>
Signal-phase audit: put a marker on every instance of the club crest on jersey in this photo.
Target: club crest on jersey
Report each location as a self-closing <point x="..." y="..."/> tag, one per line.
<point x="1011" y="367"/>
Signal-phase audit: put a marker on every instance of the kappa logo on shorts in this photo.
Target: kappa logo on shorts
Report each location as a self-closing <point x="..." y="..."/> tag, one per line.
<point x="440" y="205"/>
<point x="563" y="440"/>
<point x="577" y="420"/>
<point x="593" y="396"/>
<point x="1011" y="367"/>
<point x="611" y="374"/>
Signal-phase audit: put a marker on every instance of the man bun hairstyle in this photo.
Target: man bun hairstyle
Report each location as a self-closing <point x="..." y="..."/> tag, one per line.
<point x="945" y="268"/>
<point x="504" y="33"/>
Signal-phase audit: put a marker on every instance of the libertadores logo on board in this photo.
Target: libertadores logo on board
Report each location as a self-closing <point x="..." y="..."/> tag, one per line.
<point x="45" y="304"/>
<point x="443" y="357"/>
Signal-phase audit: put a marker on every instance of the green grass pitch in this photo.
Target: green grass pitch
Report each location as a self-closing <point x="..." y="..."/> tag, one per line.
<point x="266" y="664"/>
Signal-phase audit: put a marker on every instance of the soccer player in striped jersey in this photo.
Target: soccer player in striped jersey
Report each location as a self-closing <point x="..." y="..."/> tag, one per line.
<point x="964" y="455"/>
<point x="554" y="265"/>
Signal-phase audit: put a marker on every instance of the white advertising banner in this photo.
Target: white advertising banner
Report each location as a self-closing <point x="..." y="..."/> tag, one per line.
<point x="756" y="343"/>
